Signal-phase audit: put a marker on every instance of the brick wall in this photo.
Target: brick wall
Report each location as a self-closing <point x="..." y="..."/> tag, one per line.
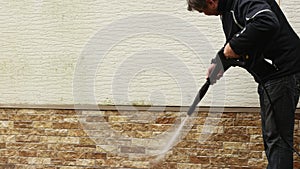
<point x="44" y="138"/>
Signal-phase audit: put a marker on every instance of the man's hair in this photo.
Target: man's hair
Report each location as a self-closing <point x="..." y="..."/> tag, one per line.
<point x="196" y="4"/>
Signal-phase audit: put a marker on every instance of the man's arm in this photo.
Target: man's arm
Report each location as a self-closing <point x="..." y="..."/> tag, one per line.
<point x="260" y="24"/>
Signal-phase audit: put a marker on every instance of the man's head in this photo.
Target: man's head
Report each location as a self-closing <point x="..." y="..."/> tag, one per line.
<point x="208" y="7"/>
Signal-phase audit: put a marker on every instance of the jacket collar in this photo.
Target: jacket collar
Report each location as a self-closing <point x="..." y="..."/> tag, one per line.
<point x="225" y="5"/>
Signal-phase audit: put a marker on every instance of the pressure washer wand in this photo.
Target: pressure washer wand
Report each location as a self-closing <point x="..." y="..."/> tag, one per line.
<point x="221" y="64"/>
<point x="204" y="88"/>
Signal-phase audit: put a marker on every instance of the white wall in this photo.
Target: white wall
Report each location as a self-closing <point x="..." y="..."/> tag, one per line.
<point x="115" y="52"/>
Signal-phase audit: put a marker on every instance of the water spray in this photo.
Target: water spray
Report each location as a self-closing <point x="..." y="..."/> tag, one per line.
<point x="221" y="64"/>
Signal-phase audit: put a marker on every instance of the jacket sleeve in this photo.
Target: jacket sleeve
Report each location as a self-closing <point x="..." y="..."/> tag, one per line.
<point x="259" y="22"/>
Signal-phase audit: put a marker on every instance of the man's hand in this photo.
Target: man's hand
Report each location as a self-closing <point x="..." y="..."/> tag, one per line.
<point x="229" y="53"/>
<point x="210" y="69"/>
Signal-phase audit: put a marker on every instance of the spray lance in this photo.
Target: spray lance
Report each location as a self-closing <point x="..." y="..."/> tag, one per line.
<point x="222" y="64"/>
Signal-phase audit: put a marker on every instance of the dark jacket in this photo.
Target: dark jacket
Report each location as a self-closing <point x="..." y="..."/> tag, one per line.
<point x="259" y="30"/>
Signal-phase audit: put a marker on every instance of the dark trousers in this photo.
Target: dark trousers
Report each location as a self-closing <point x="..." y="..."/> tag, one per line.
<point x="278" y="119"/>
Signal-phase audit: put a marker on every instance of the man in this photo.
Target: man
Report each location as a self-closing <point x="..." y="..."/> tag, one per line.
<point x="258" y="33"/>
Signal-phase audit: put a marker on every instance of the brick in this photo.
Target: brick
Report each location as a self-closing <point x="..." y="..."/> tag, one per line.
<point x="29" y="117"/>
<point x="2" y="145"/>
<point x="60" y="147"/>
<point x="42" y="124"/>
<point x="82" y="147"/>
<point x="256" y="146"/>
<point x="66" y="125"/>
<point x="136" y="164"/>
<point x="57" y="118"/>
<point x="46" y="154"/>
<point x="115" y="161"/>
<point x="95" y="119"/>
<point x="141" y="134"/>
<point x="254" y="130"/>
<point x="229" y="115"/>
<point x="200" y="121"/>
<point x="114" y="119"/>
<point x="137" y="150"/>
<point x="3" y="116"/>
<point x="69" y="140"/>
<point x="86" y="141"/>
<point x="242" y="115"/>
<point x="26" y="145"/>
<point x="93" y="155"/>
<point x="209" y="145"/>
<point x="22" y="124"/>
<point x="56" y="132"/>
<point x="163" y="165"/>
<point x="6" y="124"/>
<point x="251" y="154"/>
<point x="229" y="152"/>
<point x="189" y="166"/>
<point x="69" y="155"/>
<point x="297" y="164"/>
<point x="29" y="131"/>
<point x="165" y="120"/>
<point x="220" y="121"/>
<point x="57" y="161"/>
<point x="7" y="166"/>
<point x="246" y="122"/>
<point x="258" y="163"/>
<point x="218" y="160"/>
<point x="297" y="116"/>
<point x="192" y="136"/>
<point x="240" y="167"/>
<point x="64" y="112"/>
<point x="237" y="161"/>
<point x="26" y="111"/>
<point x="35" y="160"/>
<point x="256" y="139"/>
<point x="199" y="160"/>
<point x="27" y="153"/>
<point x="159" y="127"/>
<point x="18" y="160"/>
<point x="4" y="160"/>
<point x="141" y="127"/>
<point x="28" y="138"/>
<point x="231" y="137"/>
<point x="85" y="162"/>
<point x="76" y="133"/>
<point x="116" y="126"/>
<point x="235" y="129"/>
<point x="210" y="129"/>
<point x="235" y="145"/>
<point x="204" y="152"/>
<point x="70" y="167"/>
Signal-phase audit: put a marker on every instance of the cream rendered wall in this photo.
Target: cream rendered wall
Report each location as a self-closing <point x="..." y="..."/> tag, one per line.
<point x="115" y="52"/>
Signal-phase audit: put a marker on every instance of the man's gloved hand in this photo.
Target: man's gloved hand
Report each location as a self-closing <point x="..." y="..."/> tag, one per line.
<point x="224" y="59"/>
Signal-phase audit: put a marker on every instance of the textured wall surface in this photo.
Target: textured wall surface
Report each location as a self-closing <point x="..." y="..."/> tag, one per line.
<point x="59" y="139"/>
<point x="121" y="52"/>
<point x="114" y="52"/>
